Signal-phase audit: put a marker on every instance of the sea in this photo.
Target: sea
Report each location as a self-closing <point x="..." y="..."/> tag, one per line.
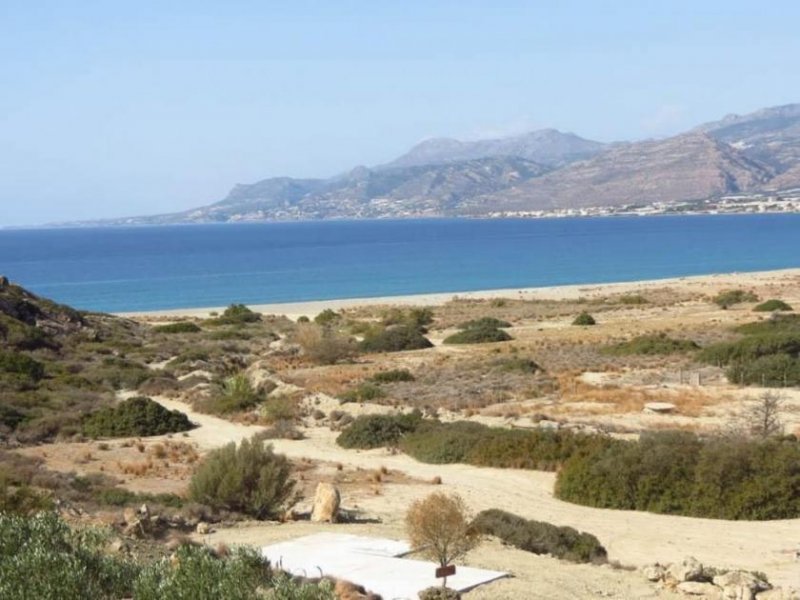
<point x="126" y="269"/>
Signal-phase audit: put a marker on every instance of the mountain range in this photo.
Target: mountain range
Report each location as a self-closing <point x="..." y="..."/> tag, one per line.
<point x="542" y="170"/>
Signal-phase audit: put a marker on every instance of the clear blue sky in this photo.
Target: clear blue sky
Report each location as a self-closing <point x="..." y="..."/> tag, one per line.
<point x="119" y="108"/>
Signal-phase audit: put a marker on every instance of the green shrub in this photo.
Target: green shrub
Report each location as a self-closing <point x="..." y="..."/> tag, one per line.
<point x="23" y="365"/>
<point x="303" y="319"/>
<point x="392" y="376"/>
<point x="439" y="593"/>
<point x="584" y="319"/>
<point x="541" y="538"/>
<point x="42" y="557"/>
<point x="364" y="392"/>
<point x="197" y="573"/>
<point x="377" y="431"/>
<point x="772" y="306"/>
<point x="751" y="348"/>
<point x="731" y="297"/>
<point x="20" y="499"/>
<point x="771" y="370"/>
<point x="485" y="323"/>
<point x="327" y="317"/>
<point x="118" y="373"/>
<point x="279" y="408"/>
<point x="679" y="473"/>
<point x="396" y="338"/>
<point x="653" y="344"/>
<point x="237" y="395"/>
<point x="137" y="416"/>
<point x="236" y="314"/>
<point x="177" y="327"/>
<point x="776" y="323"/>
<point x="249" y="478"/>
<point x="482" y="335"/>
<point x="115" y="496"/>
<point x="477" y="444"/>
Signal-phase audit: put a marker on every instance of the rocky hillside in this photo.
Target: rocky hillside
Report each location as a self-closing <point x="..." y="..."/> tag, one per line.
<point x="542" y="170"/>
<point x="687" y="167"/>
<point x="370" y="193"/>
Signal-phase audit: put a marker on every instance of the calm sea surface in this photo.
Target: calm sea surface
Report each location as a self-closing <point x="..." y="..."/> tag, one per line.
<point x="147" y="268"/>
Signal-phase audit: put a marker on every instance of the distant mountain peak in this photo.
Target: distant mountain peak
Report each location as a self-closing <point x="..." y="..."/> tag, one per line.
<point x="545" y="146"/>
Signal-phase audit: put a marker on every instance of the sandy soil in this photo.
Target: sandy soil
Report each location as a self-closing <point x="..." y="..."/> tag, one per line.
<point x="633" y="538"/>
<point x="701" y="283"/>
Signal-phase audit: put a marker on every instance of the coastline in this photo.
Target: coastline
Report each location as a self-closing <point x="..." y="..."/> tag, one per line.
<point x="293" y="310"/>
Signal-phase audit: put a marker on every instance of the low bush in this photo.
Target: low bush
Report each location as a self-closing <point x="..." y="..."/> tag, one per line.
<point x="732" y="297"/>
<point x="395" y="338"/>
<point x="115" y="496"/>
<point x="42" y="557"/>
<point x="237" y="394"/>
<point x="324" y="345"/>
<point x="485" y="322"/>
<point x="138" y="416"/>
<point x="584" y="319"/>
<point x="177" y="327"/>
<point x="438" y="592"/>
<point x="235" y="314"/>
<point x="280" y="408"/>
<point x="479" y="335"/>
<point x="541" y="538"/>
<point x="776" y="323"/>
<point x="249" y="478"/>
<point x="679" y="473"/>
<point x="22" y="365"/>
<point x="418" y="317"/>
<point x="771" y="370"/>
<point x="480" y="445"/>
<point x="327" y="317"/>
<point x="633" y="299"/>
<point x="648" y="345"/>
<point x="377" y="431"/>
<point x="751" y="347"/>
<point x="772" y="306"/>
<point x="392" y="376"/>
<point x="516" y="364"/>
<point x="364" y="392"/>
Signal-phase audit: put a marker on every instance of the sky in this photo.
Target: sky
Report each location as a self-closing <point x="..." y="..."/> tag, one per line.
<point x="122" y="108"/>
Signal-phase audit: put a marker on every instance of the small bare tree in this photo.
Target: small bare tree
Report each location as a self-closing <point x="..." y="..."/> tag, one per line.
<point x="438" y="527"/>
<point x="761" y="418"/>
<point x="765" y="415"/>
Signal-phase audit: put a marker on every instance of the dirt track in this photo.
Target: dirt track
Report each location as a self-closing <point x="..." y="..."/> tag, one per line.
<point x="633" y="538"/>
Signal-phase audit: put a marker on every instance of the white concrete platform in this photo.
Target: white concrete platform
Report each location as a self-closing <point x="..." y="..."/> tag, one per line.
<point x="375" y="563"/>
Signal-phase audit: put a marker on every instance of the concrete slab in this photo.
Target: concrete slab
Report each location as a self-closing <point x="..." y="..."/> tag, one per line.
<point x="375" y="563"/>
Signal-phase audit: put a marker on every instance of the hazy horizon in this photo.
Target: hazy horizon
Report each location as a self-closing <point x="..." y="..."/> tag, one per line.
<point x="111" y="111"/>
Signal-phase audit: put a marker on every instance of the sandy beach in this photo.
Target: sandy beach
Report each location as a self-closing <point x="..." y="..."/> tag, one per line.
<point x="698" y="283"/>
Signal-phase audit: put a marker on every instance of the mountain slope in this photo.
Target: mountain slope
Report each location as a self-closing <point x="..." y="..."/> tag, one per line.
<point x="686" y="167"/>
<point x="770" y="135"/>
<point x="547" y="146"/>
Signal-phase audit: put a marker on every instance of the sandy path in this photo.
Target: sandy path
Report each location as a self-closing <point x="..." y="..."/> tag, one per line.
<point x="634" y="538"/>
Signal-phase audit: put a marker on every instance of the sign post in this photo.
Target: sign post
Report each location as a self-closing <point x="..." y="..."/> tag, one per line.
<point x="445" y="572"/>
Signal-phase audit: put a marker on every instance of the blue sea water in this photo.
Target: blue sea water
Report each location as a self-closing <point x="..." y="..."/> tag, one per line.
<point x="148" y="268"/>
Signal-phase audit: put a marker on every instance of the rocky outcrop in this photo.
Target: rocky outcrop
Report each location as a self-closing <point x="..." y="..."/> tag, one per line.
<point x="326" y="504"/>
<point x="691" y="578"/>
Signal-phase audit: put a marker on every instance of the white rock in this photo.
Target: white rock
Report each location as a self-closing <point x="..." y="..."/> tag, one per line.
<point x="689" y="569"/>
<point x="659" y="407"/>
<point x="326" y="503"/>
<point x="699" y="588"/>
<point x="653" y="572"/>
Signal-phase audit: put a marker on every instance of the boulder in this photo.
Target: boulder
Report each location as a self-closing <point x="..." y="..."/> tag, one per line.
<point x="659" y="408"/>
<point x="699" y="588"/>
<point x="326" y="503"/>
<point x="203" y="528"/>
<point x="654" y="572"/>
<point x="130" y="516"/>
<point x="740" y="585"/>
<point x="689" y="569"/>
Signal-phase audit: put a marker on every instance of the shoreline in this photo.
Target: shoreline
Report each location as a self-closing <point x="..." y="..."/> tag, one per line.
<point x="558" y="292"/>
